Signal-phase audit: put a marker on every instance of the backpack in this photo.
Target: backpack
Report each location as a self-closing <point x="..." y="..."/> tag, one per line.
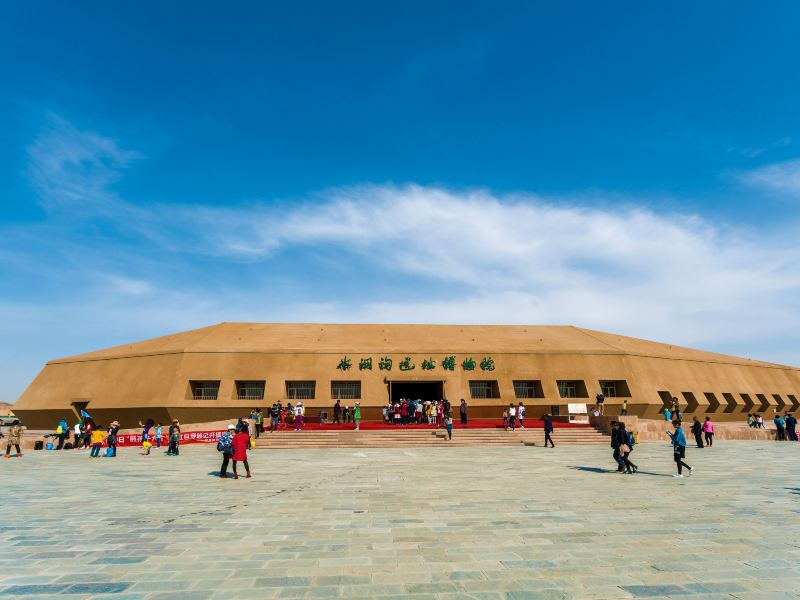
<point x="223" y="447"/>
<point x="631" y="439"/>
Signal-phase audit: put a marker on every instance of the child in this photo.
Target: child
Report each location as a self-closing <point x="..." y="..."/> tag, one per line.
<point x="449" y="425"/>
<point x="158" y="436"/>
<point x="146" y="448"/>
<point x="98" y="437"/>
<point x="240" y="443"/>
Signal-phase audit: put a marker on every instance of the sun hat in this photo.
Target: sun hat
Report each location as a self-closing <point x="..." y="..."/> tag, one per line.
<point x="231" y="426"/>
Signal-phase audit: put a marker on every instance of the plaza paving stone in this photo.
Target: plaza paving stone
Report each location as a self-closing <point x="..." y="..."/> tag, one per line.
<point x="444" y="523"/>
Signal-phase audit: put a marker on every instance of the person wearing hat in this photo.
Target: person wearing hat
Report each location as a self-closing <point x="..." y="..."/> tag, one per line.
<point x="174" y="438"/>
<point x="299" y="411"/>
<point x="357" y="415"/>
<point x="113" y="430"/>
<point x="225" y="445"/>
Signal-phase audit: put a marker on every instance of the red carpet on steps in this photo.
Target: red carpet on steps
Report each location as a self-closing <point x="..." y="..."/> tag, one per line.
<point x="472" y="424"/>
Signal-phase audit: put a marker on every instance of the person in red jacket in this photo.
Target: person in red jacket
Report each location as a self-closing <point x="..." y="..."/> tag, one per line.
<point x="240" y="442"/>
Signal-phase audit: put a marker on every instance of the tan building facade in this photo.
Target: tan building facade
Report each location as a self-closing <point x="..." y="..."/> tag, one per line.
<point x="221" y="371"/>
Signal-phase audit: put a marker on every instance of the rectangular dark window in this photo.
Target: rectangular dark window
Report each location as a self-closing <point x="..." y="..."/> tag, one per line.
<point x="301" y="390"/>
<point x="528" y="389"/>
<point x="346" y="390"/>
<point x="572" y="389"/>
<point x="484" y="389"/>
<point x="204" y="390"/>
<point x="616" y="388"/>
<point x="250" y="390"/>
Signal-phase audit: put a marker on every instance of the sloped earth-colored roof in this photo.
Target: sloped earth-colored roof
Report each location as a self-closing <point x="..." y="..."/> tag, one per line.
<point x="312" y="338"/>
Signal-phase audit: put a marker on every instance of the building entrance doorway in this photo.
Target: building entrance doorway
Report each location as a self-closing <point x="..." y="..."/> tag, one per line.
<point x="416" y="390"/>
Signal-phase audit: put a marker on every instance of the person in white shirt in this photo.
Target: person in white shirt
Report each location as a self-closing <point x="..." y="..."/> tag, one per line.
<point x="78" y="435"/>
<point x="512" y="417"/>
<point x="521" y="415"/>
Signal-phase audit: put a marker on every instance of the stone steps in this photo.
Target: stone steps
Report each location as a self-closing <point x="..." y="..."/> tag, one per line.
<point x="425" y="438"/>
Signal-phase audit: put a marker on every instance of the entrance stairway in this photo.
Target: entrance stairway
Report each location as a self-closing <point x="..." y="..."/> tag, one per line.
<point x="399" y="438"/>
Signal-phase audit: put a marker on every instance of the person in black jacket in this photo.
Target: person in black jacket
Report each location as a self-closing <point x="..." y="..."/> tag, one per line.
<point x="615" y="444"/>
<point x="697" y="430"/>
<point x="625" y="448"/>
<point x="548" y="430"/>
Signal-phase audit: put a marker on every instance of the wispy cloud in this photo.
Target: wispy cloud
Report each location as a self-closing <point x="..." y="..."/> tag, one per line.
<point x="782" y="177"/>
<point x="410" y="254"/>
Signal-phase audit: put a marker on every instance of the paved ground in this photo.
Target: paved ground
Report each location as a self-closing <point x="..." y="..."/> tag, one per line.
<point x="427" y="523"/>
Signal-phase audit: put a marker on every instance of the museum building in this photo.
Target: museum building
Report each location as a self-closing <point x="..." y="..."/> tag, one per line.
<point x="222" y="371"/>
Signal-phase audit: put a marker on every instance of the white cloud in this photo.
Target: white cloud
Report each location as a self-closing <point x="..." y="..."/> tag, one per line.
<point x="461" y="257"/>
<point x="782" y="177"/>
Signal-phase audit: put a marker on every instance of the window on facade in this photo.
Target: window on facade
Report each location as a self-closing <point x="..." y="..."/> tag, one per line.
<point x="250" y="390"/>
<point x="301" y="390"/>
<point x="204" y="390"/>
<point x="617" y="388"/>
<point x="346" y="390"/>
<point x="528" y="389"/>
<point x="484" y="389"/>
<point x="572" y="389"/>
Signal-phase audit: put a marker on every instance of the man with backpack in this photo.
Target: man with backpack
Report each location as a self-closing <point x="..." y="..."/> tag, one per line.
<point x="626" y="443"/>
<point x="225" y="445"/>
<point x="62" y="431"/>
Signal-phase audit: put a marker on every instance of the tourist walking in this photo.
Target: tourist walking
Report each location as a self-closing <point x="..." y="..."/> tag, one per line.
<point x="780" y="425"/>
<point x="512" y="417"/>
<point x="113" y="431"/>
<point x="159" y="429"/>
<point x="708" y="431"/>
<point x="679" y="448"/>
<point x="448" y="423"/>
<point x="791" y="427"/>
<point x="615" y="446"/>
<point x="299" y="411"/>
<point x="240" y="442"/>
<point x="697" y="431"/>
<point x="174" y="438"/>
<point x="462" y="411"/>
<point x="626" y="443"/>
<point x="521" y="415"/>
<point x="337" y="412"/>
<point x="624" y="411"/>
<point x="14" y="439"/>
<point x="548" y="430"/>
<point x="225" y="445"/>
<point x="77" y="433"/>
<point x="357" y="415"/>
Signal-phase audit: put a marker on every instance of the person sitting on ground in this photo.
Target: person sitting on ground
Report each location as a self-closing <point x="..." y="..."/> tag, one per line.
<point x="98" y="436"/>
<point x="751" y="421"/>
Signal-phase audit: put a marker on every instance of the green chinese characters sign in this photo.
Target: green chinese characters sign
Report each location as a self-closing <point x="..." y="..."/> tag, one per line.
<point x="446" y="363"/>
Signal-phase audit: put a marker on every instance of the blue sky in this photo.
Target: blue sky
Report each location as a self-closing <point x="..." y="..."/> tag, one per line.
<point x="626" y="166"/>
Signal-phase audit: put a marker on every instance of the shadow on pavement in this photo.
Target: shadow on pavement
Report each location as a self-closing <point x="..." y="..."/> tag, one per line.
<point x="599" y="470"/>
